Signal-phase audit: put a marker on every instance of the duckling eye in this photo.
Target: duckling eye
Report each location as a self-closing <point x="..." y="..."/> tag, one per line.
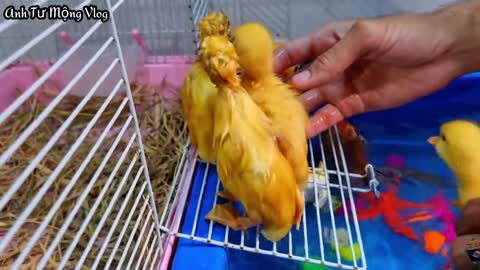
<point x="443" y="138"/>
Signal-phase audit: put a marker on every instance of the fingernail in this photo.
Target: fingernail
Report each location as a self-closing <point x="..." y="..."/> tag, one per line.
<point x="277" y="53"/>
<point x="277" y="56"/>
<point x="302" y="76"/>
<point x="310" y="133"/>
<point x="310" y="99"/>
<point x="315" y="126"/>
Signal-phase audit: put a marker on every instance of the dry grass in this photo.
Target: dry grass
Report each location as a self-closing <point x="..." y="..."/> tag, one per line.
<point x="164" y="135"/>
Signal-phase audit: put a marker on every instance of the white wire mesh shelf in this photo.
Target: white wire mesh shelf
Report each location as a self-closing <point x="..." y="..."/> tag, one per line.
<point x="112" y="220"/>
<point x="53" y="214"/>
<point x="193" y="195"/>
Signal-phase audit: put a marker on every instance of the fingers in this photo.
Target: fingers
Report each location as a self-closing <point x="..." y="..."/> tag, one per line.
<point x="351" y="105"/>
<point x="330" y="114"/>
<point x="469" y="221"/>
<point x="460" y="259"/>
<point x="467" y="228"/>
<point x="361" y="39"/>
<point x="338" y="107"/>
<point x="323" y="119"/>
<point x="312" y="99"/>
<point x="308" y="47"/>
<point x="292" y="53"/>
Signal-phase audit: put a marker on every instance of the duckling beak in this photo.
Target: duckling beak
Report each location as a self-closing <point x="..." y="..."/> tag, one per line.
<point x="433" y="140"/>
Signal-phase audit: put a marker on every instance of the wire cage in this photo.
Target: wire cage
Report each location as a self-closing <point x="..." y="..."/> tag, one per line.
<point x="77" y="183"/>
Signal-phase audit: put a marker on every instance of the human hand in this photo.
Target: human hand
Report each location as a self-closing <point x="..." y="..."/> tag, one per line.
<point x="374" y="64"/>
<point x="466" y="227"/>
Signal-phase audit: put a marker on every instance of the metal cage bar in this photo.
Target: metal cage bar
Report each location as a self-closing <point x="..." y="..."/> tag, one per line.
<point x="157" y="253"/>
<point x="85" y="223"/>
<point x="74" y="179"/>
<point x="85" y="193"/>
<point x="6" y="24"/>
<point x="134" y="114"/>
<point x="165" y="34"/>
<point x="199" y="9"/>
<point x="144" y="248"/>
<point x="25" y="95"/>
<point x="137" y="244"/>
<point x="330" y="204"/>
<point x="354" y="212"/>
<point x="25" y="134"/>
<point x="134" y="231"/>
<point x="224" y="238"/>
<point x="117" y="218"/>
<point x="127" y="221"/>
<point x="106" y="213"/>
<point x="134" y="145"/>
<point x="149" y="255"/>
<point x="158" y="230"/>
<point x="317" y="210"/>
<point x="14" y="56"/>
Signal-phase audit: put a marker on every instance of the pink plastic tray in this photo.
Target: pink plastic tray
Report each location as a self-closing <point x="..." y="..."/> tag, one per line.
<point x="173" y="69"/>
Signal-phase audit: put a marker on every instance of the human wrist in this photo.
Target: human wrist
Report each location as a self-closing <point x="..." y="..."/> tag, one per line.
<point x="463" y="22"/>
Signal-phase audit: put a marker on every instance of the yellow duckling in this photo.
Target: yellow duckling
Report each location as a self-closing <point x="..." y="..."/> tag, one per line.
<point x="458" y="145"/>
<point x="198" y="92"/>
<point x="254" y="45"/>
<point x="250" y="166"/>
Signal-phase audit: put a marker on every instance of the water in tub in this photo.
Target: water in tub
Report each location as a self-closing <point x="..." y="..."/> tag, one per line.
<point x="409" y="227"/>
<point x="421" y="178"/>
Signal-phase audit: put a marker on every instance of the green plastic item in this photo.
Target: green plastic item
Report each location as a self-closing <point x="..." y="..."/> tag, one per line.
<point x="346" y="252"/>
<point x="312" y="266"/>
<point x="336" y="203"/>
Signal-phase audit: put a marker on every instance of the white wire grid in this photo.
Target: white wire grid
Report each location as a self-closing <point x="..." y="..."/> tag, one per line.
<point x="131" y="212"/>
<point x="138" y="233"/>
<point x="195" y="192"/>
<point x="165" y="26"/>
<point x="199" y="184"/>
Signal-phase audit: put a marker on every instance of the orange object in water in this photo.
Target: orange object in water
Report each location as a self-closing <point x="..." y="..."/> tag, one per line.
<point x="444" y="252"/>
<point x="433" y="241"/>
<point x="419" y="218"/>
<point x="389" y="206"/>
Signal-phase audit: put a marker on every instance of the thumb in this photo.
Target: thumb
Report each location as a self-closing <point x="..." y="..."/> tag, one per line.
<point x="460" y="258"/>
<point x="360" y="40"/>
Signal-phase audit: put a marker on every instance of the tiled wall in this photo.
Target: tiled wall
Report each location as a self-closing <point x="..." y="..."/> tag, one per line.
<point x="167" y="28"/>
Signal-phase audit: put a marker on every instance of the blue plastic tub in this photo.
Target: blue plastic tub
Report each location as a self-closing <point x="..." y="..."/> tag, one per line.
<point x="403" y="131"/>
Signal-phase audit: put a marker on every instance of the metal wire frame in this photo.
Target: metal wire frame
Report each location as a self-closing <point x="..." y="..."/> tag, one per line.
<point x="313" y="221"/>
<point x="179" y="193"/>
<point x="134" y="143"/>
<point x="274" y="14"/>
<point x="7" y="24"/>
<point x="182" y="179"/>
<point x="37" y="39"/>
<point x="163" y="24"/>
